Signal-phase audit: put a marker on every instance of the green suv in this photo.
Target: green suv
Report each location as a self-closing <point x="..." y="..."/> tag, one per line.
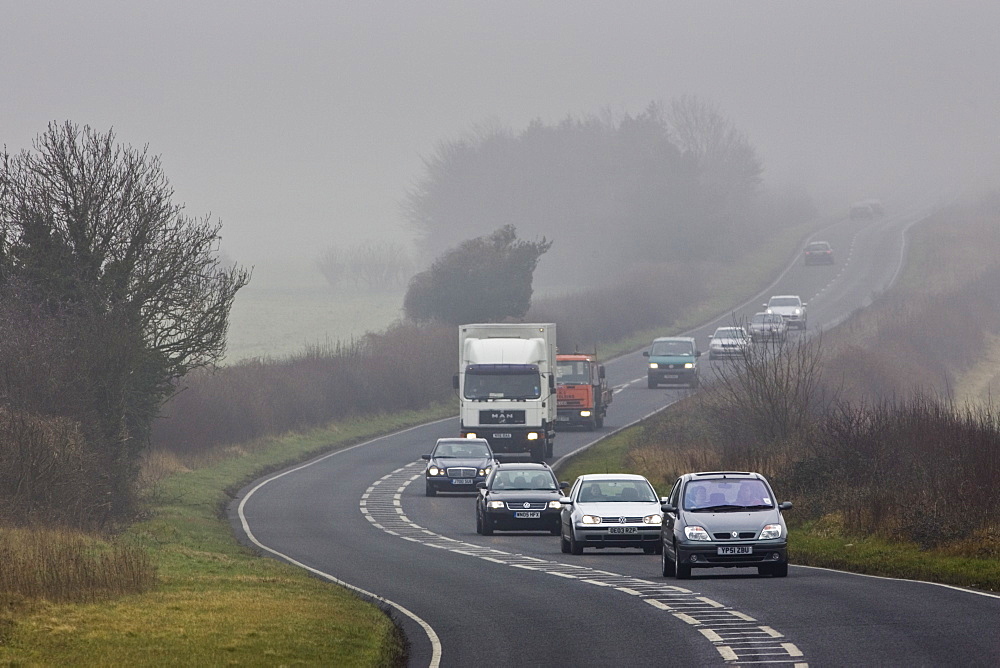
<point x="673" y="360"/>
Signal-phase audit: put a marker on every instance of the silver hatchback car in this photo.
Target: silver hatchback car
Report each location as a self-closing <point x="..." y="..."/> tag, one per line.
<point x="723" y="519"/>
<point x="610" y="510"/>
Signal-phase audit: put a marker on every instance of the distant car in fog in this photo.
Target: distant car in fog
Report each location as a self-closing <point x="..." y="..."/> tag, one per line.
<point x="767" y="326"/>
<point x="789" y="307"/>
<point x="876" y="207"/>
<point x="728" y="342"/>
<point x="819" y="252"/>
<point x="862" y="211"/>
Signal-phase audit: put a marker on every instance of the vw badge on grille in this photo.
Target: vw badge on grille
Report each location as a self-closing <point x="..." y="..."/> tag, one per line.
<point x="621" y="520"/>
<point x="527" y="505"/>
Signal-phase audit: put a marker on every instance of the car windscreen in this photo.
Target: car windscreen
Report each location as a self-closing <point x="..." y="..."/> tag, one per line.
<point x="605" y="491"/>
<point x="519" y="479"/>
<point x="817" y="247"/>
<point x="726" y="494"/>
<point x="468" y="450"/>
<point x="729" y="333"/>
<point x="783" y="301"/>
<point x="671" y="348"/>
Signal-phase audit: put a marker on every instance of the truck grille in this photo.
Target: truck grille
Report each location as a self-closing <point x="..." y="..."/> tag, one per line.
<point x="501" y="417"/>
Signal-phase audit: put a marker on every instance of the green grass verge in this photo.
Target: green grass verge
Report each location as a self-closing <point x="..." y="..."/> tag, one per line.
<point x="875" y="556"/>
<point x="217" y="602"/>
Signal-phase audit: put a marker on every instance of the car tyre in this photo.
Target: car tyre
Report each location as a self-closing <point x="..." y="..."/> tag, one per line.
<point x="479" y="523"/>
<point x="575" y="547"/>
<point x="681" y="572"/>
<point x="429" y="489"/>
<point x="563" y="543"/>
<point x="666" y="563"/>
<point x="487" y="526"/>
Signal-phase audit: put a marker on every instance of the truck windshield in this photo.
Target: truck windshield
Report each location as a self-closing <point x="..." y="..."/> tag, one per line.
<point x="574" y="372"/>
<point x="502" y="381"/>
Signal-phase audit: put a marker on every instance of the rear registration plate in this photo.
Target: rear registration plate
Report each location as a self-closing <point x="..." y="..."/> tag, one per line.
<point x="623" y="529"/>
<point x="527" y="514"/>
<point x="501" y="435"/>
<point x="736" y="549"/>
<point x="461" y="481"/>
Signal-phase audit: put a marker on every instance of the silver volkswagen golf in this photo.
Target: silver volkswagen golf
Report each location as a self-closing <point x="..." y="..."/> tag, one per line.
<point x="610" y="510"/>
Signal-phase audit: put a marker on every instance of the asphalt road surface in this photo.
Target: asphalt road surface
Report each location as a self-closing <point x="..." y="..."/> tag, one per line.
<point x="360" y="517"/>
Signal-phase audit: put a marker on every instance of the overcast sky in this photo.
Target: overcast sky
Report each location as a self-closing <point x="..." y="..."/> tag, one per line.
<point x="300" y="123"/>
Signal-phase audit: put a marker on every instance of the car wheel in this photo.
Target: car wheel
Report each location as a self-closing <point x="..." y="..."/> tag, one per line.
<point x="666" y="563"/>
<point x="429" y="489"/>
<point x="563" y="543"/>
<point x="682" y="572"/>
<point x="780" y="570"/>
<point x="574" y="546"/>
<point x="479" y="523"/>
<point x="487" y="526"/>
<point x="651" y="384"/>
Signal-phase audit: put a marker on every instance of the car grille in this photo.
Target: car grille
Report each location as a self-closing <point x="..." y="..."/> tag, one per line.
<point x="526" y="505"/>
<point x="729" y="536"/>
<point x="618" y="520"/>
<point x="461" y="472"/>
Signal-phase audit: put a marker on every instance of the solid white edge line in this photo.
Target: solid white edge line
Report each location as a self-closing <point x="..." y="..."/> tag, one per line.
<point x="432" y="636"/>
<point x="883" y="577"/>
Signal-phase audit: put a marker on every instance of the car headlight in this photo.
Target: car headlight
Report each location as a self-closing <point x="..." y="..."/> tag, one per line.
<point x="653" y="519"/>
<point x="689" y="365"/>
<point x="768" y="311"/>
<point x="696" y="533"/>
<point x="433" y="471"/>
<point x="654" y="365"/>
<point x="590" y="519"/>
<point x="584" y="413"/>
<point x="798" y="311"/>
<point x="471" y="434"/>
<point x="498" y="505"/>
<point x="770" y="531"/>
<point x="555" y="504"/>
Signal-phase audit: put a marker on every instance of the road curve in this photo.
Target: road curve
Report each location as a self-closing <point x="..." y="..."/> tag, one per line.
<point x="359" y="517"/>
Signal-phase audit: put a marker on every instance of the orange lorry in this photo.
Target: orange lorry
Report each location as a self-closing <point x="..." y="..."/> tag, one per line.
<point x="581" y="390"/>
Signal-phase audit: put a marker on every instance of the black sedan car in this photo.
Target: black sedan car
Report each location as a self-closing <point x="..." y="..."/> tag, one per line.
<point x="519" y="497"/>
<point x="723" y="519"/>
<point x="458" y="465"/>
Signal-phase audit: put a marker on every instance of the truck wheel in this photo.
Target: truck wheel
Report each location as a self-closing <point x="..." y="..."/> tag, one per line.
<point x="600" y="421"/>
<point x="592" y="425"/>
<point x="537" y="453"/>
<point x="548" y="449"/>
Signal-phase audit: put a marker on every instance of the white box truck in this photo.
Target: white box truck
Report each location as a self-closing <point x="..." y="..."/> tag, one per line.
<point x="506" y="386"/>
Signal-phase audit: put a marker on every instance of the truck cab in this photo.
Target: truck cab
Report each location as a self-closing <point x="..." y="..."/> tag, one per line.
<point x="582" y="391"/>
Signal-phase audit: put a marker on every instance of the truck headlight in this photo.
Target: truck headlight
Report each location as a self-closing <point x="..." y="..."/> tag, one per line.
<point x="584" y="413"/>
<point x="770" y="531"/>
<point x="654" y="365"/>
<point x="590" y="519"/>
<point x="532" y="436"/>
<point x="497" y="505"/>
<point x="653" y="519"/>
<point x="696" y="533"/>
<point x="471" y="434"/>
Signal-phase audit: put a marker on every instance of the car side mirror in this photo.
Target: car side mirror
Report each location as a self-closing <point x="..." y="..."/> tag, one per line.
<point x="426" y="458"/>
<point x="697" y="353"/>
<point x="667" y="508"/>
<point x="600" y="371"/>
<point x="645" y="353"/>
<point x="804" y="305"/>
<point x="565" y="500"/>
<point x="480" y="485"/>
<point x="785" y="505"/>
<point x="564" y="485"/>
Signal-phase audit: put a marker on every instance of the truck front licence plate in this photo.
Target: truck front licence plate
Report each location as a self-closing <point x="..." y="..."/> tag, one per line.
<point x="501" y="435"/>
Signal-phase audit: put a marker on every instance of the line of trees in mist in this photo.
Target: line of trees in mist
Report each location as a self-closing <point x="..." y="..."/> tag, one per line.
<point x="108" y="295"/>
<point x="677" y="182"/>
